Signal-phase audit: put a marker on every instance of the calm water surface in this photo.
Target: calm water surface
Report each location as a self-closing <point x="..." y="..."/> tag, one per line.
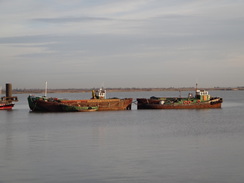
<point x="171" y="146"/>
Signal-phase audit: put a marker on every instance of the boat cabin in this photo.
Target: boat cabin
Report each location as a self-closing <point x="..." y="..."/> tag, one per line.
<point x="99" y="94"/>
<point x="202" y="95"/>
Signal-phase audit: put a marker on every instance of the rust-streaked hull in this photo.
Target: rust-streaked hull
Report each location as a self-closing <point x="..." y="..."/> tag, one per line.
<point x="143" y="103"/>
<point x="56" y="105"/>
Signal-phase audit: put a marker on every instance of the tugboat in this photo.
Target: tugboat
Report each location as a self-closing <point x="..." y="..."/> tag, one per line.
<point x="202" y="100"/>
<point x="98" y="102"/>
<point x="6" y="103"/>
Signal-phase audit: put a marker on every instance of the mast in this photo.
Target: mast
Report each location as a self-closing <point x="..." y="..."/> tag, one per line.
<point x="196" y="90"/>
<point x="45" y="93"/>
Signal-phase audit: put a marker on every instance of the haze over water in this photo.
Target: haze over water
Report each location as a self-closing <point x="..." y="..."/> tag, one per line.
<point x="173" y="146"/>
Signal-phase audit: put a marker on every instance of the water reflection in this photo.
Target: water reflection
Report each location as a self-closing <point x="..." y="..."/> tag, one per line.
<point x="123" y="146"/>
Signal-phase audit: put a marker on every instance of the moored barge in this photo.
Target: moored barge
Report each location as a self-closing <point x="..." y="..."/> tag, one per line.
<point x="201" y="100"/>
<point x="98" y="102"/>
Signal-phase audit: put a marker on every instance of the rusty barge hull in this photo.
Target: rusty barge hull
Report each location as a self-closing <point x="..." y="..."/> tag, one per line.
<point x="43" y="104"/>
<point x="103" y="104"/>
<point x="155" y="104"/>
<point x="201" y="100"/>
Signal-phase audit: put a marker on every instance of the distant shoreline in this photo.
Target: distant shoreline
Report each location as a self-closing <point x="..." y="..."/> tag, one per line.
<point x="72" y="90"/>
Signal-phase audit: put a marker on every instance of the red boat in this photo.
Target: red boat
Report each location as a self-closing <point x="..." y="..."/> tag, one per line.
<point x="6" y="102"/>
<point x="5" y="106"/>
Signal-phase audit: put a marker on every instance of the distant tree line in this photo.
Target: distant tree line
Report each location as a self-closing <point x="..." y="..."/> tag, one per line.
<point x="81" y="90"/>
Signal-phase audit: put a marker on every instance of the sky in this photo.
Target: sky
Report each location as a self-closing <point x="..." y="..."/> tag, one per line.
<point x="121" y="43"/>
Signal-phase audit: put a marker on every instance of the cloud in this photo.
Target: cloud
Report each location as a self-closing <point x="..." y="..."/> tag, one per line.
<point x="71" y="19"/>
<point x="146" y="39"/>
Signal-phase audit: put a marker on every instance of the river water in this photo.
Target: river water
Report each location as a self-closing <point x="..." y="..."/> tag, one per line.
<point x="140" y="146"/>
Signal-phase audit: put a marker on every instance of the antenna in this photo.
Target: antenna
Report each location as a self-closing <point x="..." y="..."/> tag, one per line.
<point x="45" y="94"/>
<point x="196" y="90"/>
<point x="102" y="85"/>
<point x="196" y="83"/>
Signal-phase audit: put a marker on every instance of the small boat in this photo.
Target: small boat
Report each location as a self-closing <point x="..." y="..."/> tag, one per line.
<point x="98" y="102"/>
<point x="201" y="100"/>
<point x="6" y="106"/>
<point x="6" y="103"/>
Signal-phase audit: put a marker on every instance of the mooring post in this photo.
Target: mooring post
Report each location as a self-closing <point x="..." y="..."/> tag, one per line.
<point x="9" y="98"/>
<point x="8" y="90"/>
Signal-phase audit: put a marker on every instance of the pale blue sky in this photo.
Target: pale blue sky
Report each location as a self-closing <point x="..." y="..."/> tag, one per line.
<point x="115" y="43"/>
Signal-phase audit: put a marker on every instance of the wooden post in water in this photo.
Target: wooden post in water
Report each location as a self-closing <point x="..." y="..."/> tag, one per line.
<point x="9" y="98"/>
<point x="8" y="90"/>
